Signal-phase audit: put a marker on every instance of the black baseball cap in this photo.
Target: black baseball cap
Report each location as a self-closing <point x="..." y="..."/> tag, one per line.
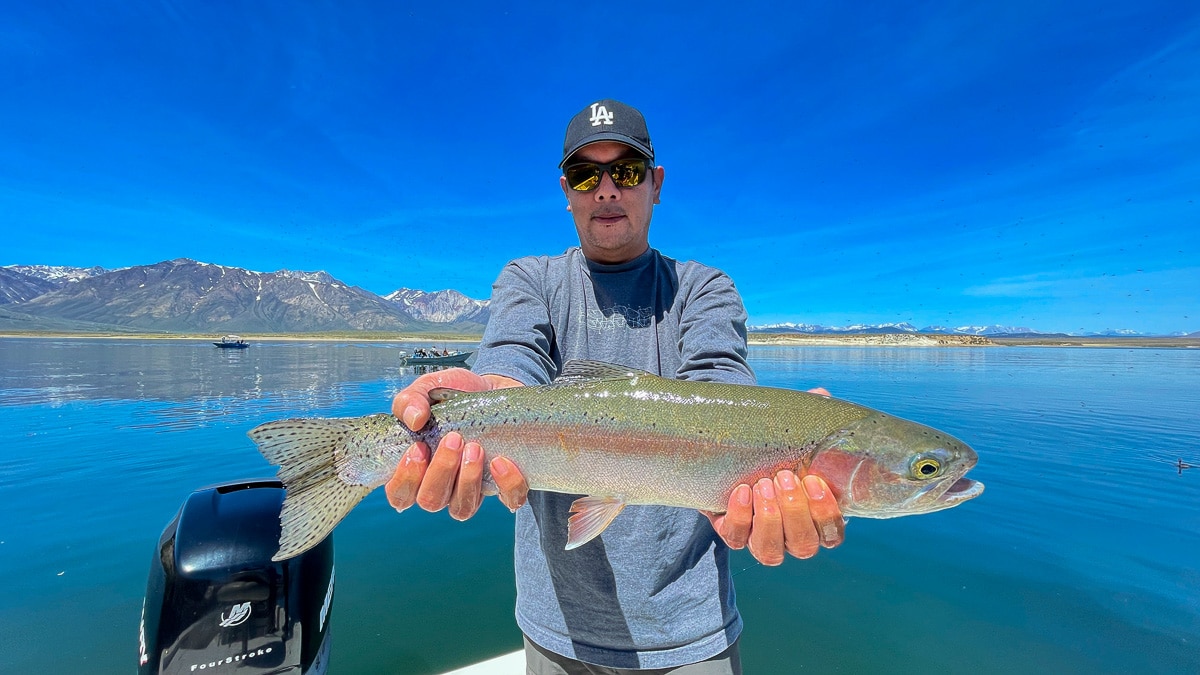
<point x="608" y="120"/>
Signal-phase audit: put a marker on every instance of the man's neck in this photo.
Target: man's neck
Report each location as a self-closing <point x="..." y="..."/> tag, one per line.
<point x="615" y="258"/>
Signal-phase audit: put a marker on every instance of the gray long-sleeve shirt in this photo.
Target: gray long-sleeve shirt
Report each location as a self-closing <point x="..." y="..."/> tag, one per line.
<point x="654" y="590"/>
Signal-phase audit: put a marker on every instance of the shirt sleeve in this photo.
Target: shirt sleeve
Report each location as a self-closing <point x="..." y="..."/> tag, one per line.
<point x="518" y="339"/>
<point x="712" y="329"/>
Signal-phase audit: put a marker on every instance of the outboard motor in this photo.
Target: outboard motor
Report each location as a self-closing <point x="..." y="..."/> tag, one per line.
<point x="216" y="603"/>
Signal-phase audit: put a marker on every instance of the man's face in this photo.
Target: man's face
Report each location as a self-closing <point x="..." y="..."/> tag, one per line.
<point x="613" y="223"/>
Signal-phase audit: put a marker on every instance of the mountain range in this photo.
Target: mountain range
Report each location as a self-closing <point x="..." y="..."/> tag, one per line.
<point x="186" y="296"/>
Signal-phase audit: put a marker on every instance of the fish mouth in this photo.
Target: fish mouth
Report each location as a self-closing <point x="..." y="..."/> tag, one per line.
<point x="962" y="490"/>
<point x="938" y="496"/>
<point x="958" y="492"/>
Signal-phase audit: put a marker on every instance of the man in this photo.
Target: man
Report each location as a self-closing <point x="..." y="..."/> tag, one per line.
<point x="654" y="590"/>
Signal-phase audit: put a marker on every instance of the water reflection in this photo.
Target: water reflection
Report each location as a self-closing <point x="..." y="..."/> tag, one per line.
<point x="202" y="383"/>
<point x="178" y="370"/>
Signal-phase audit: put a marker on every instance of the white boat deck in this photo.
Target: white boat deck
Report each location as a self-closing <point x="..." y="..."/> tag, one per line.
<point x="506" y="664"/>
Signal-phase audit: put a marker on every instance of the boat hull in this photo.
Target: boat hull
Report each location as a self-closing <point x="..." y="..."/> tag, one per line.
<point x="451" y="360"/>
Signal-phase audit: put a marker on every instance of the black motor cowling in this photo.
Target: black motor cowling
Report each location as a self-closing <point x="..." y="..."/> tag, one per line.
<point x="215" y="602"/>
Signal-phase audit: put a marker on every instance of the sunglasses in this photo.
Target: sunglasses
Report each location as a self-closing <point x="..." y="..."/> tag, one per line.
<point x="626" y="173"/>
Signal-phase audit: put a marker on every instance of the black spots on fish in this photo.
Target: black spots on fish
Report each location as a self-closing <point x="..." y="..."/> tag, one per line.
<point x="933" y="434"/>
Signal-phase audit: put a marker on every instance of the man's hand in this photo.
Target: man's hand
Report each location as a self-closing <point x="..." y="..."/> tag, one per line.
<point x="454" y="477"/>
<point x="784" y="514"/>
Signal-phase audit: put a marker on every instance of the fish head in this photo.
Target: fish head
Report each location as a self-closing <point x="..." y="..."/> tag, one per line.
<point x="882" y="466"/>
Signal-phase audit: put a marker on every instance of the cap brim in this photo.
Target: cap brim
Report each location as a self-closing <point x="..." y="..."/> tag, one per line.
<point x="607" y="136"/>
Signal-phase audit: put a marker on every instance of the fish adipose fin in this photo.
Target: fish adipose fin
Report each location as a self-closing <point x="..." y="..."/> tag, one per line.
<point x="316" y="498"/>
<point x="581" y="370"/>
<point x="590" y="515"/>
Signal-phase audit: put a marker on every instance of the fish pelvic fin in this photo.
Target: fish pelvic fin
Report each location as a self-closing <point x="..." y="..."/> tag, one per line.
<point x="316" y="499"/>
<point x="590" y="516"/>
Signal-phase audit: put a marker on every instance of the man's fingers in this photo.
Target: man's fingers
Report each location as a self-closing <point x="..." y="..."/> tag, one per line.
<point x="440" y="477"/>
<point x="826" y="516"/>
<point x="464" y="502"/>
<point x="510" y="483"/>
<point x="411" y="405"/>
<point x="402" y="488"/>
<point x="766" y="532"/>
<point x="734" y="526"/>
<point x="799" y="533"/>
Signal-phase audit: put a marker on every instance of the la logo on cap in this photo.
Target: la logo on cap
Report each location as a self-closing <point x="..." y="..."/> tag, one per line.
<point x="600" y="115"/>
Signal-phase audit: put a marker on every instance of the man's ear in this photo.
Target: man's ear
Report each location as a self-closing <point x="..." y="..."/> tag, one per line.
<point x="562" y="183"/>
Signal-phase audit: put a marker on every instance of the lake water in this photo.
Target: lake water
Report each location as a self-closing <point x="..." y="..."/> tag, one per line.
<point x="1083" y="555"/>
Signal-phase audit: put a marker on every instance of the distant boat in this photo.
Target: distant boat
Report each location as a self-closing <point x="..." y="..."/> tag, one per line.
<point x="433" y="357"/>
<point x="232" y="342"/>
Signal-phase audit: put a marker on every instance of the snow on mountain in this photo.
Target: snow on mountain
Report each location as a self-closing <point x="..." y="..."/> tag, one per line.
<point x="319" y="277"/>
<point x="57" y="274"/>
<point x="439" y="306"/>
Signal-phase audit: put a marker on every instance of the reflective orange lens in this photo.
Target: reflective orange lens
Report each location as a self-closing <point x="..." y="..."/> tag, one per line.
<point x="626" y="173"/>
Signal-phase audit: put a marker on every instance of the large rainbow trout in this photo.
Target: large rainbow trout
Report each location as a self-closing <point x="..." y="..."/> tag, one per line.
<point x="621" y="436"/>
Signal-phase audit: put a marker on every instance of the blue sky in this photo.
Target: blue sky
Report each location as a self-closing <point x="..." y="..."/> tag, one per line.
<point x="1022" y="163"/>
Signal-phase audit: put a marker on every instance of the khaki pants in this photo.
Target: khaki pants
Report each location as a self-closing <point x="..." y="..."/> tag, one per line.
<point x="539" y="661"/>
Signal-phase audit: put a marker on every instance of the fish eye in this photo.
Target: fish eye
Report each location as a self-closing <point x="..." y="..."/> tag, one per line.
<point x="926" y="467"/>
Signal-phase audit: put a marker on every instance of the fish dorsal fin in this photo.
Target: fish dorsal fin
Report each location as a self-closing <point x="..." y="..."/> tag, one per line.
<point x="581" y="371"/>
<point x="589" y="517"/>
<point x="441" y="394"/>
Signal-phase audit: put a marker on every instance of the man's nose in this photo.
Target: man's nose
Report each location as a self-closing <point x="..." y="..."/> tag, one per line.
<point x="607" y="189"/>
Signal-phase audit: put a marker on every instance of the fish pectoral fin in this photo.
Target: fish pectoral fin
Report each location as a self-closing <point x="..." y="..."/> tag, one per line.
<point x="590" y="516"/>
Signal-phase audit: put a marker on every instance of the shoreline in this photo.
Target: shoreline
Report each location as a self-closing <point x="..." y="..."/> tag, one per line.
<point x="249" y="337"/>
<point x="937" y="340"/>
<point x="754" y="339"/>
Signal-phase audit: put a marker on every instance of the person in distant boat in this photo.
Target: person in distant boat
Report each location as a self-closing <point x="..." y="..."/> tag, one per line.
<point x="654" y="591"/>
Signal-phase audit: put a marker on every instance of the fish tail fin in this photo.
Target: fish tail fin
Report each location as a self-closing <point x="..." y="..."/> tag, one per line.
<point x="316" y="498"/>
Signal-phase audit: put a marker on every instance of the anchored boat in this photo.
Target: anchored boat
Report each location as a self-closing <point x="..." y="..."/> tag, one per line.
<point x="232" y="342"/>
<point x="434" y="357"/>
